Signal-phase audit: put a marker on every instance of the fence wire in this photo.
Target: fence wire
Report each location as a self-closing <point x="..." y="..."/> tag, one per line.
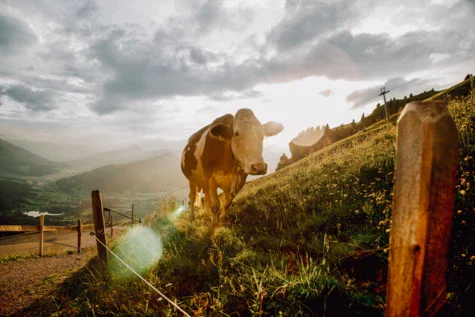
<point x="143" y="279"/>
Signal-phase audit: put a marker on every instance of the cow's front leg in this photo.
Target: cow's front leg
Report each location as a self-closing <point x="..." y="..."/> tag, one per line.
<point x="228" y="199"/>
<point x="215" y="205"/>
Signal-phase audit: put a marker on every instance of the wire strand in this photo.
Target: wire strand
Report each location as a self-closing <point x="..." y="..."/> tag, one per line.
<point x="143" y="279"/>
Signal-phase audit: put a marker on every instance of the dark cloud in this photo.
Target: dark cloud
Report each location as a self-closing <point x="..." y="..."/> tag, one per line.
<point x="307" y="20"/>
<point x="15" y="34"/>
<point x="35" y="100"/>
<point x="326" y="93"/>
<point x="142" y="70"/>
<point x="86" y="10"/>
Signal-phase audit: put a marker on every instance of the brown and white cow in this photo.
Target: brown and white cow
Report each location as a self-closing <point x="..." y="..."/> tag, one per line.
<point x="222" y="154"/>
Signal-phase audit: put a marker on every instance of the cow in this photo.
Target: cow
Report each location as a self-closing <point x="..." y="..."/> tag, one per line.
<point x="221" y="155"/>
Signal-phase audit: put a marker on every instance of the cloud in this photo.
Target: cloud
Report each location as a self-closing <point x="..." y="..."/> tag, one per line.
<point x="86" y="10"/>
<point x="326" y="93"/>
<point x="35" y="100"/>
<point x="397" y="86"/>
<point x="250" y="94"/>
<point x="206" y="109"/>
<point x="307" y="20"/>
<point x="144" y="70"/>
<point x="212" y="15"/>
<point x="15" y="34"/>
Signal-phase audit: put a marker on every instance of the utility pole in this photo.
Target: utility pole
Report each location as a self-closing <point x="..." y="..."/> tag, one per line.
<point x="383" y="93"/>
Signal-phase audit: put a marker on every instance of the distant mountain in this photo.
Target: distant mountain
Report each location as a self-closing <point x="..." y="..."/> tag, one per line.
<point x="119" y="156"/>
<point x="59" y="152"/>
<point x="150" y="175"/>
<point x="17" y="161"/>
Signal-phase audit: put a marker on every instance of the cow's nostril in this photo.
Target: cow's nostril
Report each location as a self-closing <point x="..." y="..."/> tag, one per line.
<point x="259" y="168"/>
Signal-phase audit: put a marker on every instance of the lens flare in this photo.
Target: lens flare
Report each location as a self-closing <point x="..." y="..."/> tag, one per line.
<point x="174" y="215"/>
<point x="140" y="248"/>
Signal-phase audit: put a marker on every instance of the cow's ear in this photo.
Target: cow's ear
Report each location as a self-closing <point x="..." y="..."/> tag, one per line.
<point x="272" y="128"/>
<point x="221" y="132"/>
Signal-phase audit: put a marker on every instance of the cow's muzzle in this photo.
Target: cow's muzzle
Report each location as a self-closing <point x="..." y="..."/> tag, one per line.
<point x="258" y="168"/>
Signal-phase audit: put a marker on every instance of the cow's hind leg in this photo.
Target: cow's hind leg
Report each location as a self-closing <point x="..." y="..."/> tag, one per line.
<point x="215" y="205"/>
<point x="192" y="196"/>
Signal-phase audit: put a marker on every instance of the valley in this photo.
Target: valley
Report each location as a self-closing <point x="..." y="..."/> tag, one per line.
<point x="30" y="183"/>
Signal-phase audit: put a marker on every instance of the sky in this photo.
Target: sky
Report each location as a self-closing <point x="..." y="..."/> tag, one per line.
<point x="112" y="73"/>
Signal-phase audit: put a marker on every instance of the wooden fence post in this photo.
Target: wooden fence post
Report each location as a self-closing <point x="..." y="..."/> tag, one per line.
<point x="42" y="233"/>
<point x="112" y="225"/>
<point x="79" y="235"/>
<point x="99" y="227"/>
<point x="426" y="162"/>
<point x="133" y="215"/>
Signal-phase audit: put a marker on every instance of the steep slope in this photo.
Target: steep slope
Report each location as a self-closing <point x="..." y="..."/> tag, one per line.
<point x="17" y="161"/>
<point x="118" y="156"/>
<point x="150" y="175"/>
<point x="58" y="152"/>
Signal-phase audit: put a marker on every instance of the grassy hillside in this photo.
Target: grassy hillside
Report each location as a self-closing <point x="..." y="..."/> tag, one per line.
<point x="308" y="240"/>
<point x="12" y="194"/>
<point x="19" y="162"/>
<point x="462" y="89"/>
<point x="151" y="175"/>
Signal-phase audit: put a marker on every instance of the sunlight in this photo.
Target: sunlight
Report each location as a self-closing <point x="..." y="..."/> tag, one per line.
<point x="174" y="215"/>
<point x="140" y="248"/>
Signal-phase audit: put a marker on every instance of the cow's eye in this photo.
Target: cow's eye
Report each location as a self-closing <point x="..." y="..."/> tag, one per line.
<point x="236" y="133"/>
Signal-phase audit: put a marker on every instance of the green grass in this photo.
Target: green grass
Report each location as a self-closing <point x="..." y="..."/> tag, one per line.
<point x="308" y="240"/>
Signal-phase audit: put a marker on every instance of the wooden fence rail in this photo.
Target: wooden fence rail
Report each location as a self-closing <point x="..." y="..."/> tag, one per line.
<point x="42" y="228"/>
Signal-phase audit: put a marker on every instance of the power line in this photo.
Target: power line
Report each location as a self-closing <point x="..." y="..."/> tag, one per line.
<point x="415" y="79"/>
<point x="143" y="279"/>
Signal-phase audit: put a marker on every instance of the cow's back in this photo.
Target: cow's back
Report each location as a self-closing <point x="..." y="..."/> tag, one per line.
<point x="205" y="155"/>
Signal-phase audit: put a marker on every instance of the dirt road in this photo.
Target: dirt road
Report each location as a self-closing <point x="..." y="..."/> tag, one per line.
<point x="28" y="279"/>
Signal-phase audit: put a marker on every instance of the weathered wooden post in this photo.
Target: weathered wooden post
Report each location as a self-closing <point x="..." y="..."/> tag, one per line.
<point x="79" y="235"/>
<point x="112" y="225"/>
<point x="133" y="215"/>
<point x="42" y="233"/>
<point x="426" y="161"/>
<point x="99" y="227"/>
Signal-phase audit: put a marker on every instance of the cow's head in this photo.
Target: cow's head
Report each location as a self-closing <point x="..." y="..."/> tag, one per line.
<point x="246" y="136"/>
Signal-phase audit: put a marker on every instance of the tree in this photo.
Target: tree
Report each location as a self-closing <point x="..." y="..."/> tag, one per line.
<point x="410" y="96"/>
<point x="284" y="161"/>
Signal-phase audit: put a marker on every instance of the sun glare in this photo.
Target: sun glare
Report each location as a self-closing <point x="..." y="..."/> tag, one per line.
<point x="140" y="248"/>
